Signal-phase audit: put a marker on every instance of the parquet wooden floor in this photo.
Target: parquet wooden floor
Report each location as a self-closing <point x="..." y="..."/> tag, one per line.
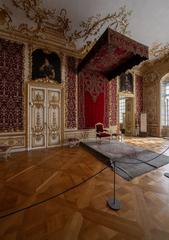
<point x="31" y="183"/>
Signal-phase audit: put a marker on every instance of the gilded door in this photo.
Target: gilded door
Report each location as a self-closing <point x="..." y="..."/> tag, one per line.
<point x="44" y="117"/>
<point x="53" y="117"/>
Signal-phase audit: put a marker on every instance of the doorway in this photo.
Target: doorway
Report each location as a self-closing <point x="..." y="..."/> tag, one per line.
<point x="44" y="116"/>
<point x="126" y="114"/>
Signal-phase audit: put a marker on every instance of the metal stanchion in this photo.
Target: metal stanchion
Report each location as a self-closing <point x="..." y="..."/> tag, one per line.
<point x="113" y="203"/>
<point x="166" y="174"/>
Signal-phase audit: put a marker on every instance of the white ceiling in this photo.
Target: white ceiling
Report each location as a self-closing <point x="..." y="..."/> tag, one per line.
<point x="148" y="23"/>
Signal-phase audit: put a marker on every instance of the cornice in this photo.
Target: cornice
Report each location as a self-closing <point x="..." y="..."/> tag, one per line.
<point x="40" y="43"/>
<point x="151" y="64"/>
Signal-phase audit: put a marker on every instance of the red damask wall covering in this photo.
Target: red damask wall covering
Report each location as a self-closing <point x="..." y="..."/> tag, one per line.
<point x="11" y="82"/>
<point x="113" y="100"/>
<point x="139" y="96"/>
<point x="93" y="99"/>
<point x="71" y="93"/>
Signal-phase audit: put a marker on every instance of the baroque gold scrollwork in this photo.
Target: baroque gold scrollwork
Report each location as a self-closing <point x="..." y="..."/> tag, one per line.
<point x="38" y="128"/>
<point x="117" y="20"/>
<point x="41" y="17"/>
<point x="45" y="23"/>
<point x="5" y="18"/>
<point x="158" y="49"/>
<point x="35" y="12"/>
<point x="151" y="78"/>
<point x="54" y="122"/>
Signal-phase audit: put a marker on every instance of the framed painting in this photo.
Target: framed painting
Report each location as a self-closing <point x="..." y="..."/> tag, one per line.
<point x="126" y="83"/>
<point x="46" y="65"/>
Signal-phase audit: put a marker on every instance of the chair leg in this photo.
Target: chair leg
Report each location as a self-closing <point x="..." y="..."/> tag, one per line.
<point x="97" y="141"/>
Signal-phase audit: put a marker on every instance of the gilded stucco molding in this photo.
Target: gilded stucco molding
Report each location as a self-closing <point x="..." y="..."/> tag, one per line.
<point x="42" y="32"/>
<point x="46" y="82"/>
<point x="158" y="50"/>
<point x="14" y="141"/>
<point x="52" y="29"/>
<point x="92" y="26"/>
<point x="5" y="17"/>
<point x="150" y="78"/>
<point x="66" y="95"/>
<point x="40" y="16"/>
<point x="158" y="65"/>
<point x="152" y="72"/>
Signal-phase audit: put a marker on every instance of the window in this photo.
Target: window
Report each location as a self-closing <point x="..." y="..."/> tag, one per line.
<point x="165" y="104"/>
<point x="122" y="109"/>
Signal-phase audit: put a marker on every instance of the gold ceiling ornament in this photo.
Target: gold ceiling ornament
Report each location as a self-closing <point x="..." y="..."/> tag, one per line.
<point x="158" y="50"/>
<point x="41" y="17"/>
<point x="35" y="12"/>
<point x="86" y="48"/>
<point x="47" y="24"/>
<point x="5" y="16"/>
<point x="62" y="21"/>
<point x="117" y="20"/>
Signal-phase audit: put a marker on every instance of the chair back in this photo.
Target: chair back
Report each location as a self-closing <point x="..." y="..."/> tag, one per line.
<point x="115" y="129"/>
<point x="99" y="127"/>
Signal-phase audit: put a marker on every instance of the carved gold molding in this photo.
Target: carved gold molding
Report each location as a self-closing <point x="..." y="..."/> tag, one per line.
<point x="14" y="141"/>
<point x="92" y="26"/>
<point x="48" y="26"/>
<point x="158" y="50"/>
<point x="35" y="11"/>
<point x="46" y="29"/>
<point x="46" y="82"/>
<point x="5" y="16"/>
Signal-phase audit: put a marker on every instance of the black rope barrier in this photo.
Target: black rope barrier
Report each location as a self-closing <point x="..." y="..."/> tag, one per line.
<point x="113" y="203"/>
<point x="54" y="196"/>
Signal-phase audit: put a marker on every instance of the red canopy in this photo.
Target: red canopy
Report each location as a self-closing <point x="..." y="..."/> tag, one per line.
<point x="113" y="54"/>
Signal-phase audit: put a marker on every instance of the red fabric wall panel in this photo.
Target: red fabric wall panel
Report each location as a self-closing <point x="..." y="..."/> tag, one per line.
<point x="71" y="87"/>
<point x="11" y="83"/>
<point x="114" y="101"/>
<point x="94" y="111"/>
<point x="93" y="99"/>
<point x="139" y="96"/>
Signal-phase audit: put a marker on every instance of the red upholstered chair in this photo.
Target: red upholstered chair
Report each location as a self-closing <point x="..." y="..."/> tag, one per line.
<point x="101" y="132"/>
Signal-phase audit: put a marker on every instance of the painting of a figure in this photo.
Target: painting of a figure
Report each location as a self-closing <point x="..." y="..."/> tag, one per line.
<point x="46" y="65"/>
<point x="126" y="82"/>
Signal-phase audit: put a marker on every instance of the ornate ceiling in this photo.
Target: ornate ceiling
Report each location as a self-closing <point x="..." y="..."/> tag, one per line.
<point x="148" y="22"/>
<point x="84" y="21"/>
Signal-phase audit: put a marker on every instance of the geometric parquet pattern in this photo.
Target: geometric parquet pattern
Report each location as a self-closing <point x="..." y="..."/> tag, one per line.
<point x="28" y="178"/>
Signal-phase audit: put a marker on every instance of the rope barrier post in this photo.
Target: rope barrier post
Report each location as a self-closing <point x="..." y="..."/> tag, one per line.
<point x="166" y="174"/>
<point x="113" y="203"/>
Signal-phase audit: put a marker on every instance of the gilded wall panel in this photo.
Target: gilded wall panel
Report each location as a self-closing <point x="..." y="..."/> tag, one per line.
<point x="152" y="72"/>
<point x="14" y="141"/>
